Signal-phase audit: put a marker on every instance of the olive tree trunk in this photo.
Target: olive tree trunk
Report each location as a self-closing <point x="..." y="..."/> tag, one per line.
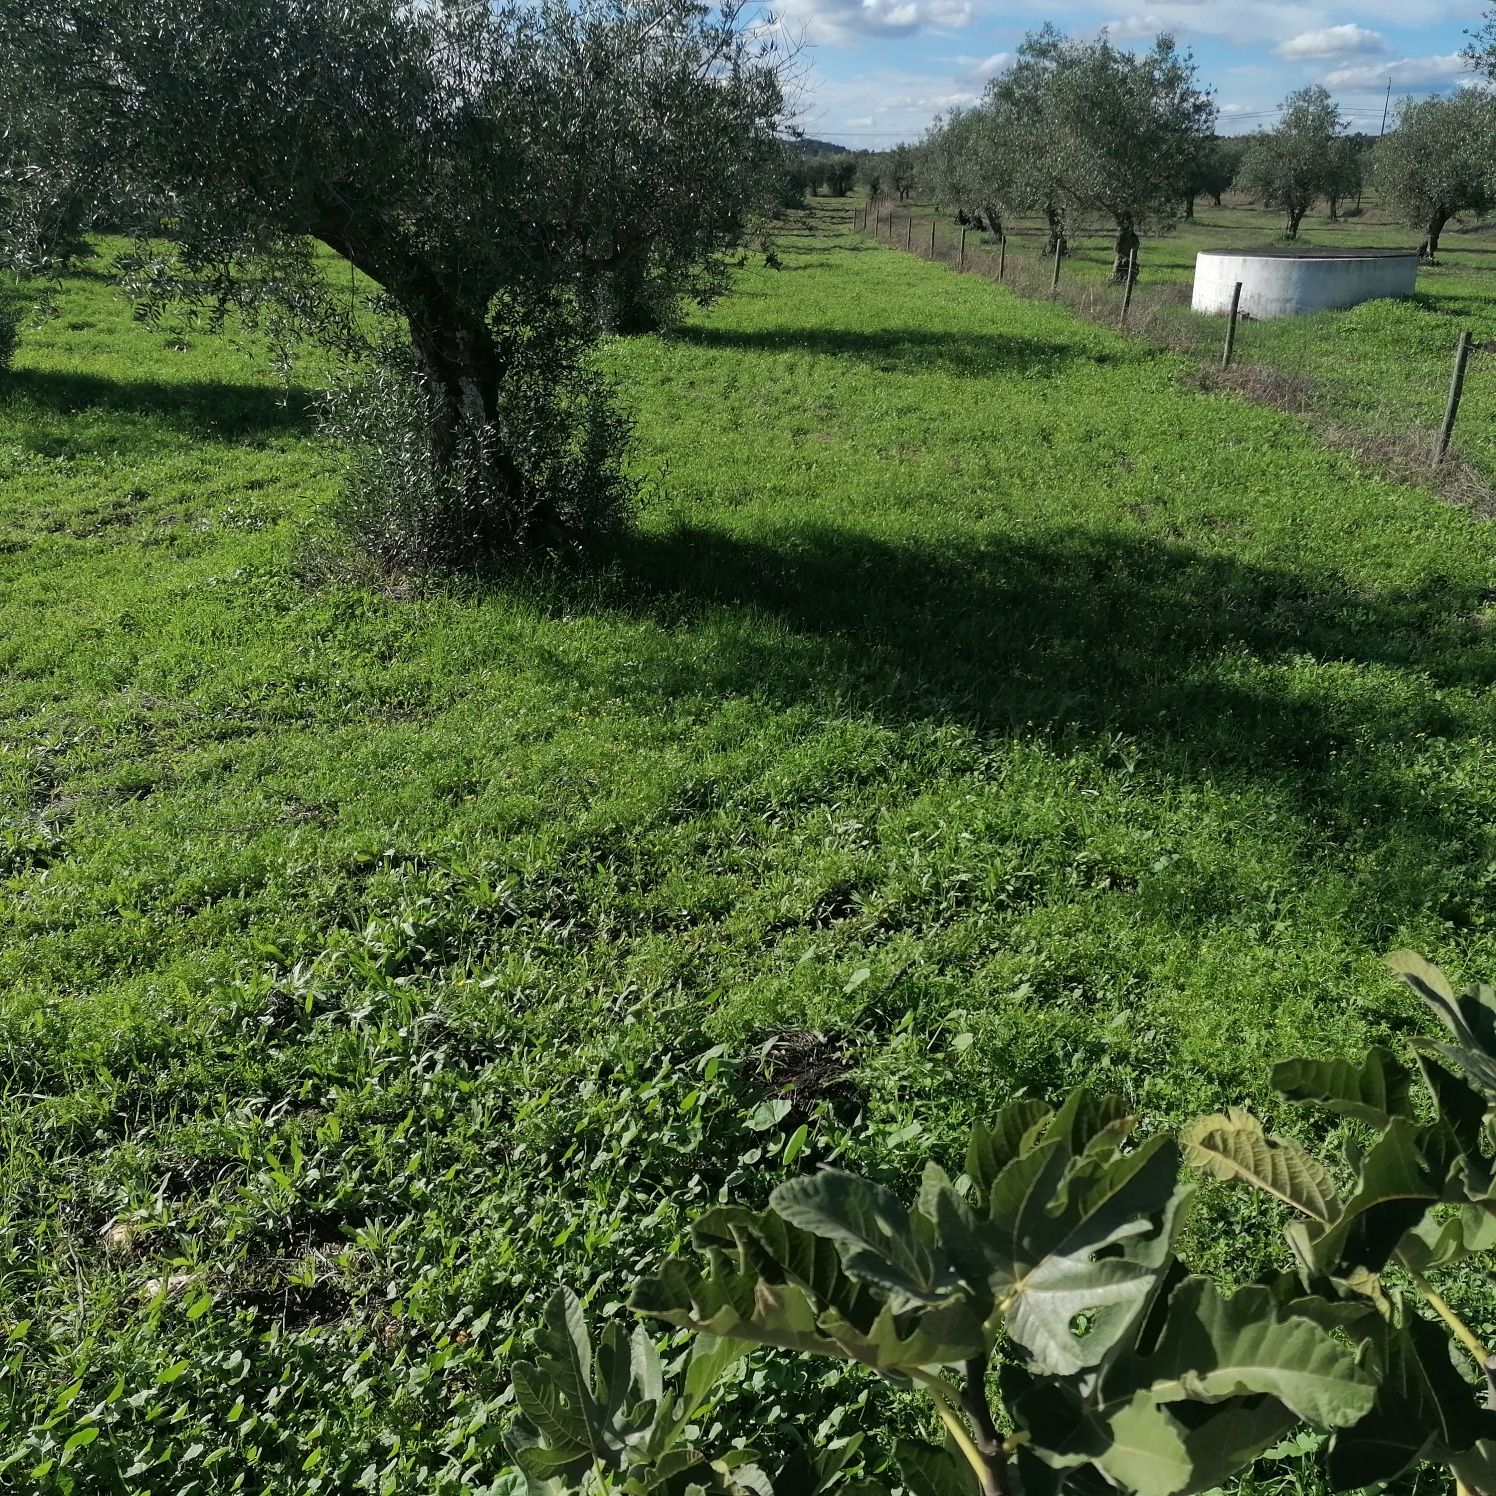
<point x="1055" y="244"/>
<point x="1430" y="246"/>
<point x="1123" y="249"/>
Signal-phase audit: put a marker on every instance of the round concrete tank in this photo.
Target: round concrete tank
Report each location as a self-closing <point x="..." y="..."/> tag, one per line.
<point x="1287" y="282"/>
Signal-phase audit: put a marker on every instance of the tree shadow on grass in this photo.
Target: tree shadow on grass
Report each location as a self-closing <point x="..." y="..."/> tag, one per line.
<point x="911" y="350"/>
<point x="1208" y="662"/>
<point x="214" y="409"/>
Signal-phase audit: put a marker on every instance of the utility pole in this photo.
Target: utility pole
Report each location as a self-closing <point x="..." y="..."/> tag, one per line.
<point x="1386" y="105"/>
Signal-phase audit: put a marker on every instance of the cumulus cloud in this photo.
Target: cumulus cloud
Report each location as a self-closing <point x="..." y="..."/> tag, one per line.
<point x="975" y="71"/>
<point x="1333" y="41"/>
<point x="1406" y="72"/>
<point x="1136" y="26"/>
<point x="842" y="22"/>
<point x="878" y="109"/>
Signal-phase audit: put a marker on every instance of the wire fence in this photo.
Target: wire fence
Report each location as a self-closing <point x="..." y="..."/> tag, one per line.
<point x="1443" y="436"/>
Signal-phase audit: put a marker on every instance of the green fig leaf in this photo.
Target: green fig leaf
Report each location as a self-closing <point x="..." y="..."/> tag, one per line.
<point x="1215" y="1346"/>
<point x="1375" y="1090"/>
<point x="991" y="1149"/>
<point x="873" y="1230"/>
<point x="1421" y="1402"/>
<point x="930" y="1471"/>
<point x="1396" y="1190"/>
<point x="1232" y="1145"/>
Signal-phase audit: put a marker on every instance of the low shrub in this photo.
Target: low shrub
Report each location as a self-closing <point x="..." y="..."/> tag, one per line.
<point x="546" y="475"/>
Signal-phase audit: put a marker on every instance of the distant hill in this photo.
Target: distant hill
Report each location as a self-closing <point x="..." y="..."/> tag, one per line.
<point x="808" y="147"/>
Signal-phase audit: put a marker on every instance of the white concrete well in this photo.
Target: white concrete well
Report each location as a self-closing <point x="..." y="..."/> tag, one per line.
<point x="1287" y="282"/>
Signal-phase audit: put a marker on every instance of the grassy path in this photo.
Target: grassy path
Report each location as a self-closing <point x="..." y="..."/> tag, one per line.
<point x="973" y="709"/>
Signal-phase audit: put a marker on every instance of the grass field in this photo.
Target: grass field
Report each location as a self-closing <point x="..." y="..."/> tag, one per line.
<point x="974" y="709"/>
<point x="1375" y="377"/>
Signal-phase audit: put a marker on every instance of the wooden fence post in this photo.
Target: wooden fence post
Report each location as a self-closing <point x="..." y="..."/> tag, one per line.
<point x="1456" y="389"/>
<point x="1054" y="282"/>
<point x="909" y="232"/>
<point x="1002" y="255"/>
<point x="932" y="238"/>
<point x="1132" y="275"/>
<point x="961" y="254"/>
<point x="1230" y="347"/>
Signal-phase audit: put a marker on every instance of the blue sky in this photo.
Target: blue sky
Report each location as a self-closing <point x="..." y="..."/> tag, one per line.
<point x="879" y="70"/>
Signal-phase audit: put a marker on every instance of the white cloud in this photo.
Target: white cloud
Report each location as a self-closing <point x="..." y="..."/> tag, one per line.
<point x="842" y="22"/>
<point x="977" y="70"/>
<point x="1244" y="23"/>
<point x="1136" y="26"/>
<point x="1406" y="72"/>
<point x="879" y="109"/>
<point x="1333" y="41"/>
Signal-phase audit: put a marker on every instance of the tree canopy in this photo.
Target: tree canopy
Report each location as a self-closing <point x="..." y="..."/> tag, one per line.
<point x="484" y="165"/>
<point x="1437" y="162"/>
<point x="1294" y="165"/>
<point x="1077" y="126"/>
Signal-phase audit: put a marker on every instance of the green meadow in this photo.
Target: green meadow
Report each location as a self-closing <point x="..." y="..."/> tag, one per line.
<point x="976" y="708"/>
<point x="1376" y="377"/>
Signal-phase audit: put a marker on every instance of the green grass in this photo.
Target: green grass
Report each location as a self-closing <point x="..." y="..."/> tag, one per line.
<point x="974" y="709"/>
<point x="1378" y="372"/>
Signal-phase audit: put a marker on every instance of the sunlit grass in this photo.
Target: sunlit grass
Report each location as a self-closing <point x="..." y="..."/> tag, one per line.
<point x="974" y="709"/>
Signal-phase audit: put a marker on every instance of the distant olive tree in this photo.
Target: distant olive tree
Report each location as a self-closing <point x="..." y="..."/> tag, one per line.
<point x="1127" y="133"/>
<point x="839" y="173"/>
<point x="1343" y="178"/>
<point x="970" y="163"/>
<point x="1215" y="171"/>
<point x="1018" y="101"/>
<point x="1293" y="166"/>
<point x="947" y="163"/>
<point x="495" y="170"/>
<point x="1437" y="163"/>
<point x="902" y="169"/>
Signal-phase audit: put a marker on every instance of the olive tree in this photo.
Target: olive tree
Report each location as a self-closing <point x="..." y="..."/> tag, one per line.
<point x="1293" y="166"/>
<point x="1018" y="102"/>
<point x="901" y="171"/>
<point x="971" y="166"/>
<point x="1127" y="134"/>
<point x="1215" y="171"/>
<point x="492" y="169"/>
<point x="1343" y="178"/>
<point x="1437" y="163"/>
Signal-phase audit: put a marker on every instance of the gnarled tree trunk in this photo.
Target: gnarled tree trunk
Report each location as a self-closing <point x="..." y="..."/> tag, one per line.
<point x="1430" y="246"/>
<point x="1295" y="218"/>
<point x="1055" y="244"/>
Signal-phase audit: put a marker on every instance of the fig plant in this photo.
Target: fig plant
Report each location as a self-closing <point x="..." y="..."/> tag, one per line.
<point x="1423" y="1201"/>
<point x="1039" y="1303"/>
<point x="1118" y="1368"/>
